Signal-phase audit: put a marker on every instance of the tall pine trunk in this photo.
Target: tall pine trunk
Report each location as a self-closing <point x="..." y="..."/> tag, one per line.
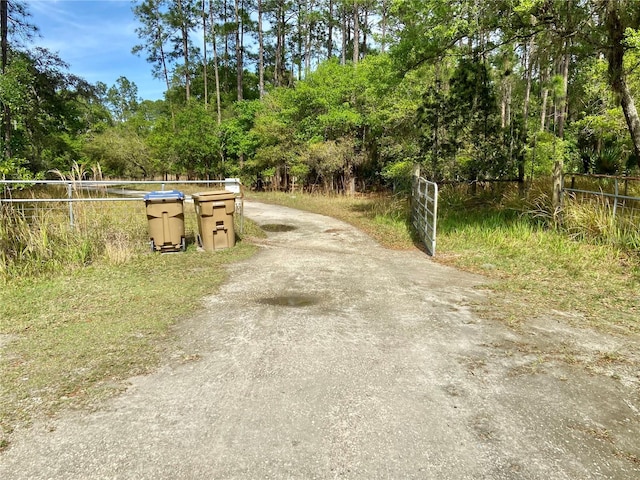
<point x="525" y="110"/>
<point x="345" y="34"/>
<point x="356" y="32"/>
<point x="330" y="31"/>
<point x="204" y="56"/>
<point x="6" y="112"/>
<point x="239" y="59"/>
<point x="384" y="25"/>
<point x="260" y="51"/>
<point x="216" y="71"/>
<point x="544" y="78"/>
<point x="184" y="30"/>
<point x="562" y="101"/>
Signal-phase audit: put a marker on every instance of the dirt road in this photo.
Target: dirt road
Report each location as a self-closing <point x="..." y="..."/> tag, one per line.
<point x="326" y="356"/>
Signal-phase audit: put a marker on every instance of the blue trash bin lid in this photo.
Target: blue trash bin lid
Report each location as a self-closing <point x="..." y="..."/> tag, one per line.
<point x="165" y="195"/>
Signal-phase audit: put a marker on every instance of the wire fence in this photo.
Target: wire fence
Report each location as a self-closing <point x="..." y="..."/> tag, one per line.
<point x="33" y="198"/>
<point x="619" y="193"/>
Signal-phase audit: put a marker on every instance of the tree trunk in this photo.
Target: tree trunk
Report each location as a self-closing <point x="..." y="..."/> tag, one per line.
<point x="184" y="30"/>
<point x="630" y="115"/>
<point x="280" y="45"/>
<point x="239" y="66"/>
<point x="215" y="62"/>
<point x="525" y="110"/>
<point x="260" y="51"/>
<point x="345" y="35"/>
<point x="562" y="103"/>
<point x="225" y="60"/>
<point x="299" y="43"/>
<point x="307" y="38"/>
<point x="383" y="25"/>
<point x="330" y="31"/>
<point x="364" y="31"/>
<point x="356" y="32"/>
<point x="545" y="98"/>
<point x="6" y="112"/>
<point x="615" y="56"/>
<point x="4" y="25"/>
<point x="204" y="56"/>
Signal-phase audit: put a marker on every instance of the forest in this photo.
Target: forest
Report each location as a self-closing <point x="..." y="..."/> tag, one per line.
<point x="337" y="95"/>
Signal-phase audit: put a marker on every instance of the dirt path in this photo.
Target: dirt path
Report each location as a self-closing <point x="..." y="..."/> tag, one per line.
<point x="326" y="356"/>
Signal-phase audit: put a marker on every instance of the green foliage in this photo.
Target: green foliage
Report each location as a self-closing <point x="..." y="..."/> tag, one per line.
<point x="122" y="99"/>
<point x="120" y="153"/>
<point x="462" y="124"/>
<point x="452" y="95"/>
<point x="49" y="110"/>
<point x="399" y="175"/>
<point x="547" y="149"/>
<point x="15" y="169"/>
<point x="195" y="142"/>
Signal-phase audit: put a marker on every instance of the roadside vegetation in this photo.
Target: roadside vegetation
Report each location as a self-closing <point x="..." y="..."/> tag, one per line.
<point x="525" y="86"/>
<point x="83" y="309"/>
<point x="592" y="273"/>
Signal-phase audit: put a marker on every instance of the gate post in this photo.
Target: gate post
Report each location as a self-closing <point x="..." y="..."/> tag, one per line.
<point x="416" y="171"/>
<point x="557" y="192"/>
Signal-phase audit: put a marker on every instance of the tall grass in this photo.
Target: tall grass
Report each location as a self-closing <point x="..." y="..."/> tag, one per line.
<point x="594" y="221"/>
<point x="539" y="266"/>
<point x="588" y="264"/>
<point x="46" y="242"/>
<point x="83" y="308"/>
<point x="586" y="219"/>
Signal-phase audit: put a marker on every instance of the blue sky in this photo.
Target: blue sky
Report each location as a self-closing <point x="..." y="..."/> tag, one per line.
<point x="95" y="38"/>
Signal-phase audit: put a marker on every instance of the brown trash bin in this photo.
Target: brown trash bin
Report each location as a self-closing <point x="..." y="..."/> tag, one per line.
<point x="215" y="211"/>
<point x="165" y="213"/>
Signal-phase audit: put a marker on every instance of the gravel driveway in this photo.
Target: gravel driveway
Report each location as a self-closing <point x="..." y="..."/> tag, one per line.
<point x="327" y="356"/>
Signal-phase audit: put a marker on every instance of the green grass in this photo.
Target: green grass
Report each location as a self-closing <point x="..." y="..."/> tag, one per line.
<point x="540" y="269"/>
<point x="71" y="332"/>
<point x="81" y="310"/>
<point x="537" y="269"/>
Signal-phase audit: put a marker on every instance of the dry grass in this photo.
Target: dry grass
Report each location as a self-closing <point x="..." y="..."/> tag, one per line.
<point x="538" y="269"/>
<point x="83" y="309"/>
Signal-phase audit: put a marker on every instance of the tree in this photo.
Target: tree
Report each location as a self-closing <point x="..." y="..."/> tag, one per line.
<point x="13" y="18"/>
<point x="622" y="19"/>
<point x="155" y="34"/>
<point x="122" y="99"/>
<point x="183" y="18"/>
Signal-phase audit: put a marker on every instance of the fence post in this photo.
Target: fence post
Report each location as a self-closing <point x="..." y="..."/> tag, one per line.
<point x="615" y="198"/>
<point x="70" y="196"/>
<point x="557" y="192"/>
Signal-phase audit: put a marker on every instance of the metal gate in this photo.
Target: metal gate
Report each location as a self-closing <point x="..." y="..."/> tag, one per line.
<point x="77" y="191"/>
<point x="424" y="211"/>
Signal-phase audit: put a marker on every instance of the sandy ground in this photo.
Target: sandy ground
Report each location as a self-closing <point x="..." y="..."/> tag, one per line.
<point x="327" y="356"/>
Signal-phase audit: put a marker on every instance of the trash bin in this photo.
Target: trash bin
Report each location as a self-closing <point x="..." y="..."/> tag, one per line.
<point x="215" y="219"/>
<point x="165" y="212"/>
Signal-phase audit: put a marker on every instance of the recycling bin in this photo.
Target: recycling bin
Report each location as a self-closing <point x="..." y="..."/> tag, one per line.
<point x="215" y="211"/>
<point x="165" y="213"/>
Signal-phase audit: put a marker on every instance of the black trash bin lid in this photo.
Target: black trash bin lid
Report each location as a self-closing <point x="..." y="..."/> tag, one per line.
<point x="165" y="195"/>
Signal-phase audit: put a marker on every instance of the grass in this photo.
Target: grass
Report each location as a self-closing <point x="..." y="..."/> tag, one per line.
<point x="537" y="269"/>
<point x="82" y="310"/>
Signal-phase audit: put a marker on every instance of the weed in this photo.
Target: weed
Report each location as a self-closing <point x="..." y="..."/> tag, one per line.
<point x="89" y="306"/>
<point x="538" y="268"/>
